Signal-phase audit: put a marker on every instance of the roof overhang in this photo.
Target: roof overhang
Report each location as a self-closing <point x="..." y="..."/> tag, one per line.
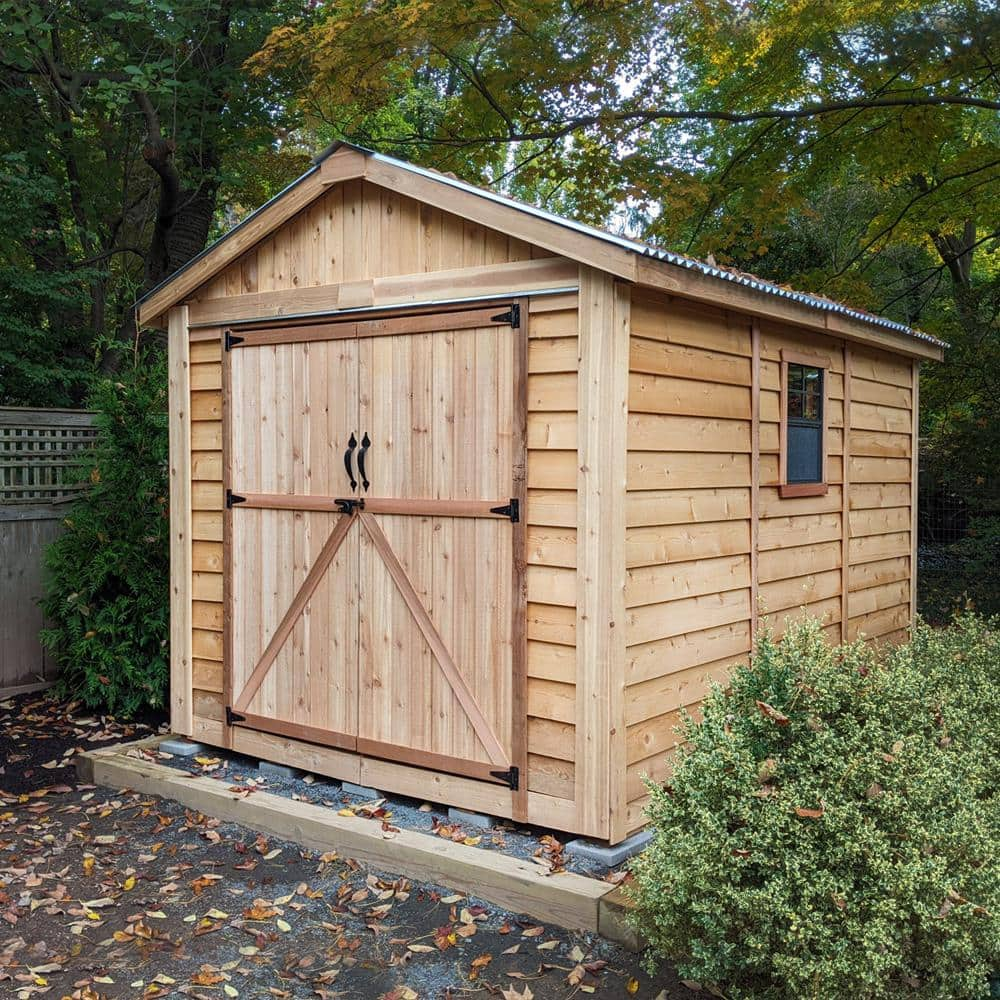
<point x="624" y="258"/>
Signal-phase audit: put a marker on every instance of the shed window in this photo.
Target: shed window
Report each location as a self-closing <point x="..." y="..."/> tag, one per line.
<point x="803" y="445"/>
<point x="805" y="424"/>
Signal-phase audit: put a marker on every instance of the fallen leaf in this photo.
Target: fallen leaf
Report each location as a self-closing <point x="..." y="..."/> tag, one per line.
<point x="512" y="994"/>
<point x="809" y="813"/>
<point x="769" y="712"/>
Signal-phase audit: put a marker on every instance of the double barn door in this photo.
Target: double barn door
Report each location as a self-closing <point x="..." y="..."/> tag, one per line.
<point x="375" y="470"/>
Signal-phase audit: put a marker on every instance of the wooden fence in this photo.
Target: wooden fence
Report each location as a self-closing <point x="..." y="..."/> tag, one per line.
<point x="40" y="451"/>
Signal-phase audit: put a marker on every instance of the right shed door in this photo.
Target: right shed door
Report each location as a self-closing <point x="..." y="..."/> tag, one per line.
<point x="438" y="587"/>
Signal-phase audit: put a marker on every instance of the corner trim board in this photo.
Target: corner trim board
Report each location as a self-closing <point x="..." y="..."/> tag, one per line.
<point x="181" y="549"/>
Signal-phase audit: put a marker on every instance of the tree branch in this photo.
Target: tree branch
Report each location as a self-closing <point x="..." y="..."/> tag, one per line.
<point x="138" y="251"/>
<point x="634" y="119"/>
<point x="935" y="271"/>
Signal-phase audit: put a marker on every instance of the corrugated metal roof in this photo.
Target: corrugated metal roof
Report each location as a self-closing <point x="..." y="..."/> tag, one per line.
<point x="643" y="249"/>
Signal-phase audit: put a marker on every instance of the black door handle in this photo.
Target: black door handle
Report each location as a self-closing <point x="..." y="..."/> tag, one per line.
<point x="351" y="445"/>
<point x="365" y="445"/>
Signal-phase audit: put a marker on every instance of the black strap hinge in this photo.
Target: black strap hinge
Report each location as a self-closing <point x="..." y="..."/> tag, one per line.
<point x="233" y="498"/>
<point x="231" y="340"/>
<point x="511" y="316"/>
<point x="510" y="778"/>
<point x="233" y="717"/>
<point x="511" y="510"/>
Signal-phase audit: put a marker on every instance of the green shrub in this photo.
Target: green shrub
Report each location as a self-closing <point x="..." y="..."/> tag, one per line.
<point x="831" y="829"/>
<point x="107" y="586"/>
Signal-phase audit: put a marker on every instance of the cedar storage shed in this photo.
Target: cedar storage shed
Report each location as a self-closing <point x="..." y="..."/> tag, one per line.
<point x="468" y="500"/>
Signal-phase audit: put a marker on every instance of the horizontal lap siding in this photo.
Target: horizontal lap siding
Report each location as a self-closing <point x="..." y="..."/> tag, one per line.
<point x="688" y="511"/>
<point x="687" y="545"/>
<point x="799" y="566"/>
<point x="206" y="533"/>
<point x="553" y="352"/>
<point x="880" y="515"/>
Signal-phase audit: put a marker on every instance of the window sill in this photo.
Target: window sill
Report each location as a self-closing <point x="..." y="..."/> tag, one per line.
<point x="789" y="490"/>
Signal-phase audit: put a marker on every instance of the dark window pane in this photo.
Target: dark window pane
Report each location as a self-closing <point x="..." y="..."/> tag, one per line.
<point x="795" y="409"/>
<point x="805" y="460"/>
<point x="812" y="376"/>
<point x="812" y="408"/>
<point x="795" y="377"/>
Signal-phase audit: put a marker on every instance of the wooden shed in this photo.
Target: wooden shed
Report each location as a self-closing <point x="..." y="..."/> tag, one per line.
<point x="469" y="500"/>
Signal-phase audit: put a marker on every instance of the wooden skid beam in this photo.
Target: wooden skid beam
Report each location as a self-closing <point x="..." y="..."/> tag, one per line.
<point x="517" y="884"/>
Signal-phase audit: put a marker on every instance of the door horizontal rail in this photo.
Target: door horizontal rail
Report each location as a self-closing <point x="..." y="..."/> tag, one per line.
<point x="299" y="731"/>
<point x="376" y="505"/>
<point x="385" y="326"/>
<point x="479" y="770"/>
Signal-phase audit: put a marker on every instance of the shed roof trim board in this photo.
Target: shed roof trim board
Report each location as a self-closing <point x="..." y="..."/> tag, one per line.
<point x="643" y="250"/>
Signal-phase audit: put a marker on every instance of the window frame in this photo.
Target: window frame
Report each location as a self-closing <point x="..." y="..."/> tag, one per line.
<point x="785" y="488"/>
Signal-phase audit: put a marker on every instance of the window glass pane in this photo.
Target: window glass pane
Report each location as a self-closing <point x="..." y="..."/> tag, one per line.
<point x="795" y="409"/>
<point x="812" y="407"/>
<point x="795" y="377"/>
<point x="812" y="376"/>
<point x="805" y="464"/>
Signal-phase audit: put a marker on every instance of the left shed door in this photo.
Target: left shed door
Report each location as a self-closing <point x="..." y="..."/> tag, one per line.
<point x="293" y="571"/>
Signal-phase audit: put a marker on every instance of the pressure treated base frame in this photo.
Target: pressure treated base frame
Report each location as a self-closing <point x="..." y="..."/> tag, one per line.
<point x="568" y="900"/>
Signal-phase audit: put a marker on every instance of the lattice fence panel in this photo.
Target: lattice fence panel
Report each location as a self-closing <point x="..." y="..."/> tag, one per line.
<point x="40" y="453"/>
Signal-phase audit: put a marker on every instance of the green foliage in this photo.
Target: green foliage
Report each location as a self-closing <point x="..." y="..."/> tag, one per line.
<point x="107" y="587"/>
<point x="38" y="364"/>
<point x="964" y="573"/>
<point x="832" y="827"/>
<point x="850" y="149"/>
<point x="107" y="108"/>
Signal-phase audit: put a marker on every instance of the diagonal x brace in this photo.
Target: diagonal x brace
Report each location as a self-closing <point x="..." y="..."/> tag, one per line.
<point x="295" y="609"/>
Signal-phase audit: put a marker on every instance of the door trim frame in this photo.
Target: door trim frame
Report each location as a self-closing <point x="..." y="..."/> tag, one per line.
<point x="227" y="536"/>
<point x="443" y="763"/>
<point x="519" y="570"/>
